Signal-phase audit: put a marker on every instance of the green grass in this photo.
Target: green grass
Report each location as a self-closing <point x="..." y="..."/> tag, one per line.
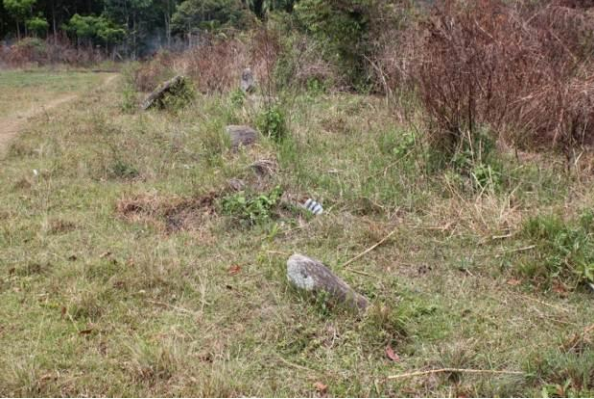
<point x="121" y="273"/>
<point x="24" y="90"/>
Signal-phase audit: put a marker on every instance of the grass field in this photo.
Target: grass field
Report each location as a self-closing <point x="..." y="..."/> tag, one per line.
<point x="126" y="270"/>
<point x="22" y="90"/>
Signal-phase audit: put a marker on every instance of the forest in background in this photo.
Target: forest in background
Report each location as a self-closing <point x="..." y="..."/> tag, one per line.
<point x="138" y="27"/>
<point x="435" y="155"/>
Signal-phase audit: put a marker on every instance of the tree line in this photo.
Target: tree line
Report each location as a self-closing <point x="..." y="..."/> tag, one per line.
<point x="134" y="26"/>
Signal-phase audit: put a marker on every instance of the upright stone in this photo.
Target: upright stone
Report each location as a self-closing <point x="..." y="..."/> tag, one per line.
<point x="311" y="275"/>
<point x="247" y="81"/>
<point x="164" y="88"/>
<point x="241" y="136"/>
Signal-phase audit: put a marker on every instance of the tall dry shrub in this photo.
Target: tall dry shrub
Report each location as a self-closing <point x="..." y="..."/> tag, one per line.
<point x="265" y="48"/>
<point x="214" y="66"/>
<point x="467" y="61"/>
<point x="51" y="51"/>
<point x="394" y="40"/>
<point x="151" y="73"/>
<point x="522" y="72"/>
<point x="558" y="111"/>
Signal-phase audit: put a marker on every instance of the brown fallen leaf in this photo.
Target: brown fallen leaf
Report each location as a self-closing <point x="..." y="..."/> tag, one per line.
<point x="234" y="269"/>
<point x="560" y="289"/>
<point x="321" y="388"/>
<point x="391" y="354"/>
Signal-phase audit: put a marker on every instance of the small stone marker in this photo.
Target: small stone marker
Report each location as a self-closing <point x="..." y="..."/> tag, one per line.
<point x="264" y="167"/>
<point x="241" y="136"/>
<point x="160" y="91"/>
<point x="247" y="81"/>
<point x="236" y="184"/>
<point x="311" y="275"/>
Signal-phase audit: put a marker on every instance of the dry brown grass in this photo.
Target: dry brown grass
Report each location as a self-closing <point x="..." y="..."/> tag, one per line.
<point x="51" y="51"/>
<point x="168" y="214"/>
<point x="147" y="77"/>
<point x="215" y="66"/>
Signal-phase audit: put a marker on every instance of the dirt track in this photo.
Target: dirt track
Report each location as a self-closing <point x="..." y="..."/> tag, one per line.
<point x="10" y="126"/>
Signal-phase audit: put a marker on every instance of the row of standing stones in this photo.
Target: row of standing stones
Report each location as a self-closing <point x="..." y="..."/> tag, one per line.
<point x="304" y="273"/>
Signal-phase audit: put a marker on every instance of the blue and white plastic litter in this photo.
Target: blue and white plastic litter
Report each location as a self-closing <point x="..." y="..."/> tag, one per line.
<point x="313" y="206"/>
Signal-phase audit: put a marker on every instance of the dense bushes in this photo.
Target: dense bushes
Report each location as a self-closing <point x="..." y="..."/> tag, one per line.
<point x="40" y="52"/>
<point x="341" y="29"/>
<point x="518" y="70"/>
<point x="147" y="76"/>
<point x="523" y="71"/>
<point x="214" y="66"/>
<point x="329" y="44"/>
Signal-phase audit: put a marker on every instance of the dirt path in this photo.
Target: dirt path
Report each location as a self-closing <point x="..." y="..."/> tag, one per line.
<point x="11" y="125"/>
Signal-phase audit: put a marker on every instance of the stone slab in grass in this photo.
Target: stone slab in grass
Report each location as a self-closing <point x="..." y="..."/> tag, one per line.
<point x="312" y="276"/>
<point x="241" y="136"/>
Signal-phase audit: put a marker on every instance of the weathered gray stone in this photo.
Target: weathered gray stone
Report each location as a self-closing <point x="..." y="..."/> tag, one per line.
<point x="241" y="136"/>
<point x="160" y="91"/>
<point x="236" y="184"/>
<point x="264" y="167"/>
<point x="311" y="275"/>
<point x="247" y="81"/>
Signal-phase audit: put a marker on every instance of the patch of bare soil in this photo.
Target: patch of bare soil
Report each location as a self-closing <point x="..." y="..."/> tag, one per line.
<point x="169" y="214"/>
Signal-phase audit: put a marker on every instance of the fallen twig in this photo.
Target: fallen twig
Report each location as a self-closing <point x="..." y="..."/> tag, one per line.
<point x="298" y="366"/>
<point x="452" y="370"/>
<point x="360" y="272"/>
<point x="529" y="247"/>
<point x="176" y="308"/>
<point x="374" y="246"/>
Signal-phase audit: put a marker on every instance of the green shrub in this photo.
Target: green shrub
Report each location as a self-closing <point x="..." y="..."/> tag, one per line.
<point x="250" y="208"/>
<point x="475" y="159"/>
<point x="214" y="141"/>
<point x="37" y="25"/>
<point x="384" y="325"/>
<point x="129" y="99"/>
<point x="565" y="249"/>
<point x="565" y="373"/>
<point x="342" y="29"/>
<point x="272" y="123"/>
<point x="237" y="98"/>
<point x="178" y="97"/>
<point x="123" y="170"/>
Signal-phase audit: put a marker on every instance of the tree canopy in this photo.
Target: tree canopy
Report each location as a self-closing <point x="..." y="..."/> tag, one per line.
<point x="140" y="26"/>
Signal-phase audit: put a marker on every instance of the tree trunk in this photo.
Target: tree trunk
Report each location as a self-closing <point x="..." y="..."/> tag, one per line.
<point x="54" y="27"/>
<point x="168" y="24"/>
